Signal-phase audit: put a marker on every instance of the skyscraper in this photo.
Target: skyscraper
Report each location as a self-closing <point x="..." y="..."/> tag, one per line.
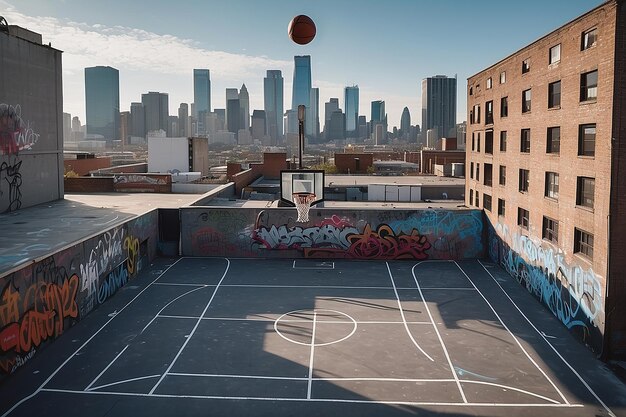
<point x="137" y="120"/>
<point x="202" y="90"/>
<point x="301" y="93"/>
<point x="233" y="115"/>
<point x="183" y="120"/>
<point x="351" y="106"/>
<point x="329" y="107"/>
<point x="156" y="108"/>
<point x="102" y="101"/>
<point x="231" y="94"/>
<point x="313" y="114"/>
<point x="258" y="125"/>
<point x="378" y="117"/>
<point x="273" y="104"/>
<point x="439" y="105"/>
<point x="405" y="123"/>
<point x="244" y="103"/>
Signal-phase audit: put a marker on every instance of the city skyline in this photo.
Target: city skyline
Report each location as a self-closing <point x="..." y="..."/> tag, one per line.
<point x="154" y="57"/>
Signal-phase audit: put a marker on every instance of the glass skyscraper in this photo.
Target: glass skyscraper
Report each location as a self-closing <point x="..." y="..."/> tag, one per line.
<point x="351" y="107"/>
<point x="102" y="102"/>
<point x="156" y="109"/>
<point x="201" y="97"/>
<point x="273" y="104"/>
<point x="301" y="93"/>
<point x="313" y="114"/>
<point x="439" y="105"/>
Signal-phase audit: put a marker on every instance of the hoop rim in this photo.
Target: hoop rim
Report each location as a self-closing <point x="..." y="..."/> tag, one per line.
<point x="304" y="197"/>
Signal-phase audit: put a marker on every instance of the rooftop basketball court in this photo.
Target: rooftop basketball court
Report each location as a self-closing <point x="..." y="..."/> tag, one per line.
<point x="216" y="336"/>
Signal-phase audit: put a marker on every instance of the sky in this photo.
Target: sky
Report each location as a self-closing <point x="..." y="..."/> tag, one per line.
<point x="386" y="48"/>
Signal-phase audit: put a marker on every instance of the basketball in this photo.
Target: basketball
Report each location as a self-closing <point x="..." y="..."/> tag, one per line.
<point x="301" y="29"/>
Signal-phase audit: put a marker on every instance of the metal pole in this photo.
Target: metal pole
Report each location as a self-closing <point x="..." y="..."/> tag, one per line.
<point x="301" y="112"/>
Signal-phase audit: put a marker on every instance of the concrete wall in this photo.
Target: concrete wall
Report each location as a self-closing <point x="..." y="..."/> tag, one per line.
<point x="40" y="302"/>
<point x="31" y="129"/>
<point x="85" y="166"/>
<point x="352" y="234"/>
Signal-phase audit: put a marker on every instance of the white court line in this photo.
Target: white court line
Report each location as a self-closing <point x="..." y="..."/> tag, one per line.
<point x="10" y="410"/>
<point x="451" y="288"/>
<point x="168" y="304"/>
<point x="310" y="384"/>
<point x="178" y="284"/>
<point x="169" y="368"/>
<point x="270" y="320"/>
<point x="339" y="287"/>
<point x="513" y="336"/>
<point x="124" y="381"/>
<point x="445" y="350"/>
<point x="406" y="327"/>
<point x="106" y="368"/>
<point x="523" y="391"/>
<point x="286" y="378"/>
<point x="550" y="344"/>
<point x="319" y="400"/>
<point x="314" y="378"/>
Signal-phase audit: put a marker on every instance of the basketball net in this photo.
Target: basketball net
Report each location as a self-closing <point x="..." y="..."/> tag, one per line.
<point x="303" y="204"/>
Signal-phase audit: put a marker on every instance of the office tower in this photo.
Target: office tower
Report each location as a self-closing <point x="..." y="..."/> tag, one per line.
<point x="312" y="119"/>
<point x="405" y="123"/>
<point x="172" y="127"/>
<point x="291" y="122"/>
<point x="67" y="127"/>
<point x="439" y="105"/>
<point x="351" y="107"/>
<point x="156" y="110"/>
<point x="183" y="120"/>
<point x="259" y="131"/>
<point x="232" y="94"/>
<point x="273" y="104"/>
<point x="233" y="115"/>
<point x="124" y="126"/>
<point x="137" y="120"/>
<point x="244" y="102"/>
<point x="337" y="126"/>
<point x="221" y="118"/>
<point x="329" y="107"/>
<point x="102" y="102"/>
<point x="201" y="97"/>
<point x="301" y="93"/>
<point x="378" y="117"/>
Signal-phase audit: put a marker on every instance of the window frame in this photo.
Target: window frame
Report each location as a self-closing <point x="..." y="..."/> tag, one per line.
<point x="525" y="140"/>
<point x="585" y="45"/>
<point x="503" y="138"/>
<point x="502" y="175"/>
<point x="487" y="202"/>
<point x="585" y="192"/>
<point x="588" y="92"/>
<point x="526" y="66"/>
<point x="583" y="142"/>
<point x="524" y="180"/>
<point x="523" y="218"/>
<point x="527" y="102"/>
<point x="488" y="174"/>
<point x="489" y="83"/>
<point x="552" y="104"/>
<point x="583" y="243"/>
<point x="489" y="142"/>
<point x="553" y="146"/>
<point x="504" y="106"/>
<point x="550" y="229"/>
<point x="501" y="207"/>
<point x="551" y="189"/>
<point x="551" y="60"/>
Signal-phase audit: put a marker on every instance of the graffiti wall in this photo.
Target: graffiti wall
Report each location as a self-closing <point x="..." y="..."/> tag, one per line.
<point x="31" y="139"/>
<point x="40" y="302"/>
<point x="348" y="234"/>
<point x="573" y="293"/>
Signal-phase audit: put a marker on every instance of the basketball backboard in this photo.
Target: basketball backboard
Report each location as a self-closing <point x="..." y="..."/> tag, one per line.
<point x="301" y="181"/>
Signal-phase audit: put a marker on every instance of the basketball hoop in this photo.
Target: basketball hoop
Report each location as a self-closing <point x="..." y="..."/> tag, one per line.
<point x="303" y="204"/>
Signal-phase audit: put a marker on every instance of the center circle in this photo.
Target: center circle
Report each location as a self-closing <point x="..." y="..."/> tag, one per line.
<point x="305" y="324"/>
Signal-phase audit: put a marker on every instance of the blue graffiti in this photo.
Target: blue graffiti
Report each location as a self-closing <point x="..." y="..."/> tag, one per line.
<point x="113" y="282"/>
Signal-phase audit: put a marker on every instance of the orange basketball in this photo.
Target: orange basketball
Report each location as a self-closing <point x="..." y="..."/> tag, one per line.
<point x="301" y="29"/>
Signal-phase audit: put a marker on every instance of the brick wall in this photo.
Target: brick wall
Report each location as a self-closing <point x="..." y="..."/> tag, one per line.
<point x="347" y="162"/>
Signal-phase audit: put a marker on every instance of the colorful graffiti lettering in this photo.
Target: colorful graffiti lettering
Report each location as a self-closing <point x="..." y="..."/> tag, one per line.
<point x="113" y="282"/>
<point x="131" y="244"/>
<point x="385" y="244"/>
<point x="15" y="134"/>
<point x="573" y="294"/>
<point x="284" y="237"/>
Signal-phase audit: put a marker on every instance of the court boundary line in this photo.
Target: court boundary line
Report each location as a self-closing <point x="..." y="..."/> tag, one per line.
<point x="514" y="337"/>
<point x="323" y="400"/>
<point x="331" y="287"/>
<point x="445" y="350"/>
<point x="106" y="368"/>
<point x="193" y="331"/>
<point x="123" y="382"/>
<point x="270" y="320"/>
<point x="53" y="374"/>
<point x="310" y="376"/>
<point x="580" y="378"/>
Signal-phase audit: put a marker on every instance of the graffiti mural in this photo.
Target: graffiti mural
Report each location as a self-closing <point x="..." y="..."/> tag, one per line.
<point x="572" y="293"/>
<point x="41" y="301"/>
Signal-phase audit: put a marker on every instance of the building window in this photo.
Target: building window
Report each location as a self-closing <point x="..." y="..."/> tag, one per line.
<point x="550" y="230"/>
<point x="523" y="218"/>
<point x="503" y="141"/>
<point x="525" y="141"/>
<point x="504" y="107"/>
<point x="583" y="243"/>
<point x="471" y="199"/>
<point x="471" y="91"/>
<point x="487" y="202"/>
<point x="524" y="180"/>
<point x="589" y="39"/>
<point x="555" y="54"/>
<point x="585" y="190"/>
<point x="471" y="170"/>
<point x="488" y="175"/>
<point x="477" y="113"/>
<point x="525" y="66"/>
<point x="589" y="86"/>
<point x="477" y="172"/>
<point x="526" y="98"/>
<point x="554" y="95"/>
<point x="501" y="207"/>
<point x="554" y="140"/>
<point x="587" y="140"/>
<point x="489" y="83"/>
<point x="478" y="142"/>
<point x="489" y="142"/>
<point x="502" y="77"/>
<point x="489" y="113"/>
<point x="477" y="202"/>
<point x="502" y="180"/>
<point x="552" y="185"/>
<point x="473" y="142"/>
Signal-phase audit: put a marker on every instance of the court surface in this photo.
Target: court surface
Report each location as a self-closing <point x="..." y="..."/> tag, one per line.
<point x="215" y="336"/>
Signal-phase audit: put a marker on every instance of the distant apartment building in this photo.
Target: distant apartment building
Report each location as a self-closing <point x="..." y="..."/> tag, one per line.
<point x="102" y="102"/>
<point x="546" y="127"/>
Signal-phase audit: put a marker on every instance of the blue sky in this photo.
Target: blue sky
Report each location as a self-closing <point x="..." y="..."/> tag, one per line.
<point x="386" y="48"/>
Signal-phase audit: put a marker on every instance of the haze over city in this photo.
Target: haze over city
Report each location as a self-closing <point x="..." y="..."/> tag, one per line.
<point x="385" y="51"/>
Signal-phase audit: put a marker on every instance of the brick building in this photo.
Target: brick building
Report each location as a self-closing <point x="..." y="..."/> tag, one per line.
<point x="545" y="160"/>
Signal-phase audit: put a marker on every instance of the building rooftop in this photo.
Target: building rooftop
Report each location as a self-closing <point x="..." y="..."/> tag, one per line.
<point x="364" y="180"/>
